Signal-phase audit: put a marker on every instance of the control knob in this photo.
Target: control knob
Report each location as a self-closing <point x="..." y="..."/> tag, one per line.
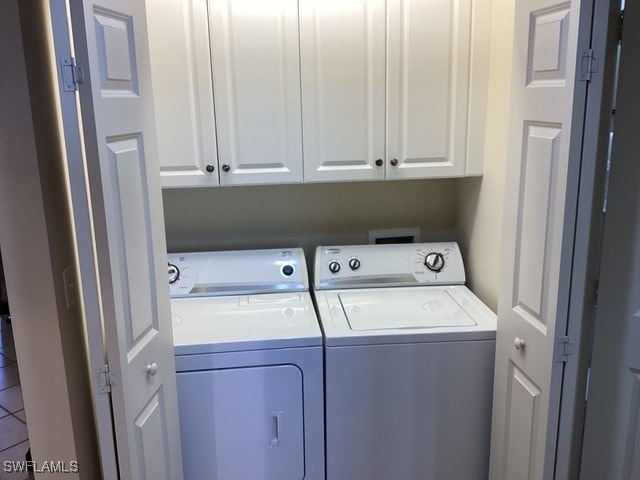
<point x="434" y="261"/>
<point x="334" y="267"/>
<point x="174" y="273"/>
<point x="354" y="263"/>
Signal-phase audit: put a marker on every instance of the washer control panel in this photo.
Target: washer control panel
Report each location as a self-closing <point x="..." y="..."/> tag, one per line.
<point x="236" y="272"/>
<point x="363" y="266"/>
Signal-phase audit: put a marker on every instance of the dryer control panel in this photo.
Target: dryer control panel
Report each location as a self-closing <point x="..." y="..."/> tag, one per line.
<point x="366" y="266"/>
<point x="237" y="272"/>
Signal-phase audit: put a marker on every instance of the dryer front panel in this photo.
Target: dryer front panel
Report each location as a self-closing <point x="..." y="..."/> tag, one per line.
<point x="242" y="423"/>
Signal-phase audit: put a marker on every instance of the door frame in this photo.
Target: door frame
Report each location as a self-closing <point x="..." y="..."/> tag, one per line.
<point x="603" y="17"/>
<point x="85" y="243"/>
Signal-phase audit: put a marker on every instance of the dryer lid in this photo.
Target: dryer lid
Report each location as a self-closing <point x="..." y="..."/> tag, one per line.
<point x="403" y="309"/>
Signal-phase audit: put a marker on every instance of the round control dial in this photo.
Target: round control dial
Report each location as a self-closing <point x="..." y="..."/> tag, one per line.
<point x="354" y="263"/>
<point x="434" y="261"/>
<point x="174" y="273"/>
<point x="334" y="267"/>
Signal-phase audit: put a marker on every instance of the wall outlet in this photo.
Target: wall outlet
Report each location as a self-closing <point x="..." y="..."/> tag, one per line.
<point x="70" y="285"/>
<point x="395" y="235"/>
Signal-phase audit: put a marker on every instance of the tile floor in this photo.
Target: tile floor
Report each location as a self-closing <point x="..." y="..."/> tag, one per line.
<point x="13" y="429"/>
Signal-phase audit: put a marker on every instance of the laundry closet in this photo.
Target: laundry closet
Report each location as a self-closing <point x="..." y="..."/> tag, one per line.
<point x="296" y="124"/>
<point x="220" y="125"/>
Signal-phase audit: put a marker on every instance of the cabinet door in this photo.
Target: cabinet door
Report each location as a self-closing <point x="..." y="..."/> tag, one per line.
<point x="343" y="69"/>
<point x="428" y="59"/>
<point x="256" y="78"/>
<point x="183" y="96"/>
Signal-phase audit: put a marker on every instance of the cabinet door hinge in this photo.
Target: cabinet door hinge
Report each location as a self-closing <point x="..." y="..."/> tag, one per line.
<point x="72" y="74"/>
<point x="104" y="379"/>
<point x="621" y="26"/>
<point x="564" y="348"/>
<point x="588" y="65"/>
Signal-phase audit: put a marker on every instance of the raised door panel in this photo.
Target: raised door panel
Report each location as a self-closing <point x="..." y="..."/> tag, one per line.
<point x="343" y="77"/>
<point x="182" y="88"/>
<point x="256" y="76"/>
<point x="428" y="61"/>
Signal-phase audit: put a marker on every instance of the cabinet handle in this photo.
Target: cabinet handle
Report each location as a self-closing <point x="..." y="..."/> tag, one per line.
<point x="518" y="343"/>
<point x="379" y="162"/>
<point x="394" y="162"/>
<point x="226" y="168"/>
<point x="209" y="168"/>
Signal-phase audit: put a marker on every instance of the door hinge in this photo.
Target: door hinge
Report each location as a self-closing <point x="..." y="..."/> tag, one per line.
<point x="588" y="65"/>
<point x="104" y="379"/>
<point x="621" y="26"/>
<point x="564" y="348"/>
<point x="72" y="74"/>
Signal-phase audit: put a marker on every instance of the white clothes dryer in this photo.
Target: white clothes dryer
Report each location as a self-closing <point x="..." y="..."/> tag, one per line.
<point x="249" y="363"/>
<point x="409" y="355"/>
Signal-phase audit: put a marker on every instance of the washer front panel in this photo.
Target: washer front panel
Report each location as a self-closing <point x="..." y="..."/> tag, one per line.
<point x="410" y="411"/>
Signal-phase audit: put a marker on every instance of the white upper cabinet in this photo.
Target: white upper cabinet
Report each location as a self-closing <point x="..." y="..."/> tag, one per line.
<point x="182" y="91"/>
<point x="256" y="82"/>
<point x="428" y="52"/>
<point x="319" y="90"/>
<point x="342" y="54"/>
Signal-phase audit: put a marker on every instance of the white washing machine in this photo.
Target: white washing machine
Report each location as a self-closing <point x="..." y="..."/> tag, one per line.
<point x="409" y="355"/>
<point x="249" y="363"/>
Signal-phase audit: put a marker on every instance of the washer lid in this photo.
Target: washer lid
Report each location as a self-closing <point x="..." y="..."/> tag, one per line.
<point x="239" y="323"/>
<point x="386" y="310"/>
<point x="377" y="316"/>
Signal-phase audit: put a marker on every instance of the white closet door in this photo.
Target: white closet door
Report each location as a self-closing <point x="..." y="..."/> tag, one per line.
<point x="543" y="167"/>
<point x="343" y="69"/>
<point x="428" y="87"/>
<point x="181" y="75"/>
<point x="111" y="38"/>
<point x="256" y="77"/>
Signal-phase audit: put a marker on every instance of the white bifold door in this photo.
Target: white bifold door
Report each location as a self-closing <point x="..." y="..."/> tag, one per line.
<point x="538" y="233"/>
<point x="121" y="148"/>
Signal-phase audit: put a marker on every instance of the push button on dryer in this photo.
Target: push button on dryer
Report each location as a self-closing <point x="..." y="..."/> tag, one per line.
<point x="287" y="270"/>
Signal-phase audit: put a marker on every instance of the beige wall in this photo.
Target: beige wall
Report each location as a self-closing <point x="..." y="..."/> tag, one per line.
<point x="37" y="242"/>
<point x="480" y="200"/>
<point x="305" y="215"/>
